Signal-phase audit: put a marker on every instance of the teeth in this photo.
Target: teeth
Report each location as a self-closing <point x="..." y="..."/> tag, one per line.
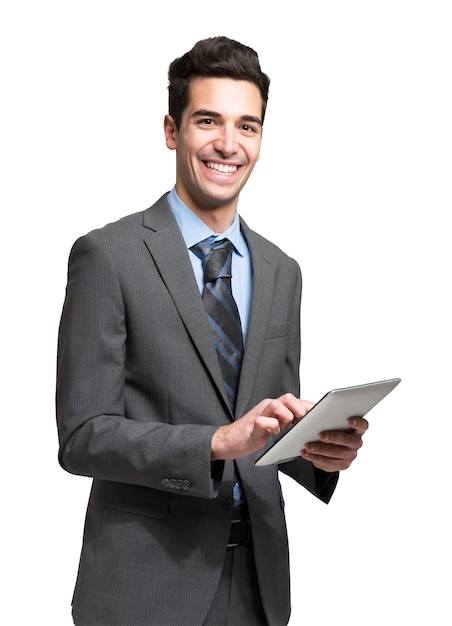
<point x="219" y="167"/>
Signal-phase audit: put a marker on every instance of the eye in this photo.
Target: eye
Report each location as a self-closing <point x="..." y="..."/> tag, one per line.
<point x="248" y="128"/>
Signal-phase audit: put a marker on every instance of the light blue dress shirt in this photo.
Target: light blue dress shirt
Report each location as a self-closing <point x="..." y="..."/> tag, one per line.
<point x="193" y="231"/>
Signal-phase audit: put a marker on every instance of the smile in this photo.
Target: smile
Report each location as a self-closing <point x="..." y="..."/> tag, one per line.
<point x="220" y="167"/>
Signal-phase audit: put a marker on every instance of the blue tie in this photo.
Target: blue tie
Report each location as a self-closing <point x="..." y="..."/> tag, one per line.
<point x="222" y="310"/>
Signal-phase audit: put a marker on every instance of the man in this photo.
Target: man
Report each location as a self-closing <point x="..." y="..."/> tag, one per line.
<point x="182" y="528"/>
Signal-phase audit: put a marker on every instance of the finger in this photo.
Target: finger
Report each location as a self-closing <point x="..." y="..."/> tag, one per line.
<point x="266" y="426"/>
<point x="359" y="424"/>
<point x="278" y="410"/>
<point x="326" y="463"/>
<point x="333" y="451"/>
<point x="297" y="406"/>
<point x="346" y="439"/>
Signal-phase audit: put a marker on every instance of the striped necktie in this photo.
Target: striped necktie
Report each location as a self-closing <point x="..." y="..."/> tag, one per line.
<point x="222" y="310"/>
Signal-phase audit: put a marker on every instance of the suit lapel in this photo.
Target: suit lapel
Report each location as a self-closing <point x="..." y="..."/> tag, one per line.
<point x="167" y="247"/>
<point x="263" y="285"/>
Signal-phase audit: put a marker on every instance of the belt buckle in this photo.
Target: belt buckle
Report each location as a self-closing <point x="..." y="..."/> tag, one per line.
<point x="248" y="533"/>
<point x="234" y="545"/>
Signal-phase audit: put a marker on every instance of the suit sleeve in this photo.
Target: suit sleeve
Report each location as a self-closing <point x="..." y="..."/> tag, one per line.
<point x="321" y="484"/>
<point x="96" y="436"/>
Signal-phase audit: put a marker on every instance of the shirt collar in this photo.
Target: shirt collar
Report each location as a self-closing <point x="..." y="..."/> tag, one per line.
<point x="194" y="230"/>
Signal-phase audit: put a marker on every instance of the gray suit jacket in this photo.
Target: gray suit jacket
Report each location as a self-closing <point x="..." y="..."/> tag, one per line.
<point x="139" y="396"/>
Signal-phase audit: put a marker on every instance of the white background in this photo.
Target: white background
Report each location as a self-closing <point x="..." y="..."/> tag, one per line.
<point x="354" y="181"/>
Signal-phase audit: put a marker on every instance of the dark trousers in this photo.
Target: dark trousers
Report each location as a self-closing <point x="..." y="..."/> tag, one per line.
<point x="237" y="601"/>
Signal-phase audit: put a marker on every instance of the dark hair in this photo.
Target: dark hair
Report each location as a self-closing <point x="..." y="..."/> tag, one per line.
<point x="218" y="57"/>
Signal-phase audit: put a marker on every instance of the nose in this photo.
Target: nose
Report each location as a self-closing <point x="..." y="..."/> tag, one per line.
<point x="226" y="141"/>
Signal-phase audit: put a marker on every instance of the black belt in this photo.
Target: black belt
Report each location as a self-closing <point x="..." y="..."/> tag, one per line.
<point x="240" y="532"/>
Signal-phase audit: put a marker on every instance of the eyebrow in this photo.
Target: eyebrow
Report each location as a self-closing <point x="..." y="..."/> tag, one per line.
<point x="216" y="115"/>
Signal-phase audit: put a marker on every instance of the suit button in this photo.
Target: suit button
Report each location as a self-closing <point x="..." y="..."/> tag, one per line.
<point x="186" y="484"/>
<point x="165" y="482"/>
<point x="228" y="502"/>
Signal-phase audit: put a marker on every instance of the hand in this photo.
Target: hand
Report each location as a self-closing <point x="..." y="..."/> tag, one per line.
<point x="252" y="431"/>
<point x="337" y="450"/>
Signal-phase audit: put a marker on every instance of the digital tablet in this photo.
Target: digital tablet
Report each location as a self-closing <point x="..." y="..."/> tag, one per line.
<point x="330" y="413"/>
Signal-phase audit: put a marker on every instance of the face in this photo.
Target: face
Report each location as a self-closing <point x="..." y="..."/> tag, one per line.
<point x="217" y="144"/>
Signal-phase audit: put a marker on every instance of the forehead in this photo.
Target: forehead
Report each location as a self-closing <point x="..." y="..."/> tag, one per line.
<point x="226" y="96"/>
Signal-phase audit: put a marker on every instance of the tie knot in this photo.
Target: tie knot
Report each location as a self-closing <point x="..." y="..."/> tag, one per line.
<point x="216" y="258"/>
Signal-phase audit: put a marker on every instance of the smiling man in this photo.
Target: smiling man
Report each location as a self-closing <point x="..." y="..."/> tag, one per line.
<point x="178" y="363"/>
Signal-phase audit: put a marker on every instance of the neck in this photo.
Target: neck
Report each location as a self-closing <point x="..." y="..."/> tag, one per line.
<point x="217" y="218"/>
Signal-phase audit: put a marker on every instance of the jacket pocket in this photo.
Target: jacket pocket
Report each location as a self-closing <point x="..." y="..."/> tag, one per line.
<point x="277" y="330"/>
<point x="131" y="498"/>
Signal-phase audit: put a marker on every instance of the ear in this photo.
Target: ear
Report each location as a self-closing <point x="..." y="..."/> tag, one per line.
<point x="169" y="126"/>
